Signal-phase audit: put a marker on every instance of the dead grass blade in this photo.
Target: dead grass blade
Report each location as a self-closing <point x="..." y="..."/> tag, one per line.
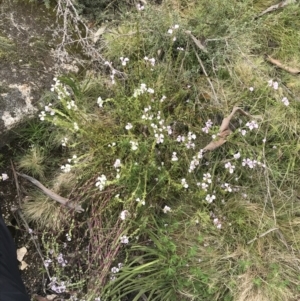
<point x="277" y="63"/>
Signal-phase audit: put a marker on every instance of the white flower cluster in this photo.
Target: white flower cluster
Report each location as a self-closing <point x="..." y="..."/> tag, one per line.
<point x="207" y="127"/>
<point x="147" y="115"/>
<point x="48" y="108"/>
<point x="58" y="287"/>
<point x="117" y="166"/>
<point x="67" y="167"/>
<point x="230" y="167"/>
<point x="252" y="163"/>
<point x="140" y="201"/>
<point x="210" y="198"/>
<point x="190" y="138"/>
<point x="206" y="180"/>
<point x="134" y="145"/>
<point x="140" y="7"/>
<point x="237" y="155"/>
<point x="60" y="89"/>
<point x="124" y="60"/>
<point x="252" y="125"/>
<point x="195" y="161"/>
<point x="226" y="187"/>
<point x="273" y="84"/>
<point x="151" y="60"/>
<point x="216" y="221"/>
<point x="64" y="141"/>
<point x="128" y="126"/>
<point x="166" y="209"/>
<point x="116" y="269"/>
<point x="184" y="183"/>
<point x="172" y="30"/>
<point x="100" y="102"/>
<point x="158" y="128"/>
<point x="61" y="260"/>
<point x="174" y="156"/>
<point x="117" y="163"/>
<point x="285" y="101"/>
<point x="124" y="239"/>
<point x="143" y="89"/>
<point x="71" y="105"/>
<point x="47" y="262"/>
<point x="124" y="214"/>
<point x="243" y="132"/>
<point x="4" y="177"/>
<point x="101" y="181"/>
<point x="76" y="127"/>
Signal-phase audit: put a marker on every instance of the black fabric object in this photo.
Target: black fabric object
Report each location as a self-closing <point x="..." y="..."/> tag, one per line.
<point x="11" y="286"/>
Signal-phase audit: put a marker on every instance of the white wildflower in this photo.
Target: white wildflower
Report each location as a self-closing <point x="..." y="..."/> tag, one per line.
<point x="237" y="155"/>
<point x="101" y="181"/>
<point x="117" y="163"/>
<point x="124" y="214"/>
<point x="184" y="183"/>
<point x="166" y="209"/>
<point x="124" y="239"/>
<point x="174" y="156"/>
<point x="134" y="145"/>
<point x="128" y="126"/>
<point x="252" y="125"/>
<point x="76" y="127"/>
<point x="100" y="102"/>
<point x="66" y="168"/>
<point x="4" y="177"/>
<point x="285" y="101"/>
<point x="42" y="115"/>
<point x="210" y="198"/>
<point x="230" y="167"/>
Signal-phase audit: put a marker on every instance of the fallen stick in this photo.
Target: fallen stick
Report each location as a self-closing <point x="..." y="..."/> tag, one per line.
<point x="51" y="194"/>
<point x="197" y="42"/>
<point x="277" y="63"/>
<point x="275" y="7"/>
<point x="224" y="130"/>
<point x="207" y="77"/>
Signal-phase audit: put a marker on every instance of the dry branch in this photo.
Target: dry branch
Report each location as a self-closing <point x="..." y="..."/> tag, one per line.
<point x="275" y="7"/>
<point x="277" y="63"/>
<point x="224" y="130"/>
<point x="197" y="42"/>
<point x="52" y="195"/>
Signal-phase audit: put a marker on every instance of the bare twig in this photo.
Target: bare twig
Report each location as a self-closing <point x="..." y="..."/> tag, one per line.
<point x="53" y="195"/>
<point x="207" y="77"/>
<point x="225" y="130"/>
<point x="197" y="42"/>
<point x="74" y="26"/>
<point x="277" y="63"/>
<point x="275" y="7"/>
